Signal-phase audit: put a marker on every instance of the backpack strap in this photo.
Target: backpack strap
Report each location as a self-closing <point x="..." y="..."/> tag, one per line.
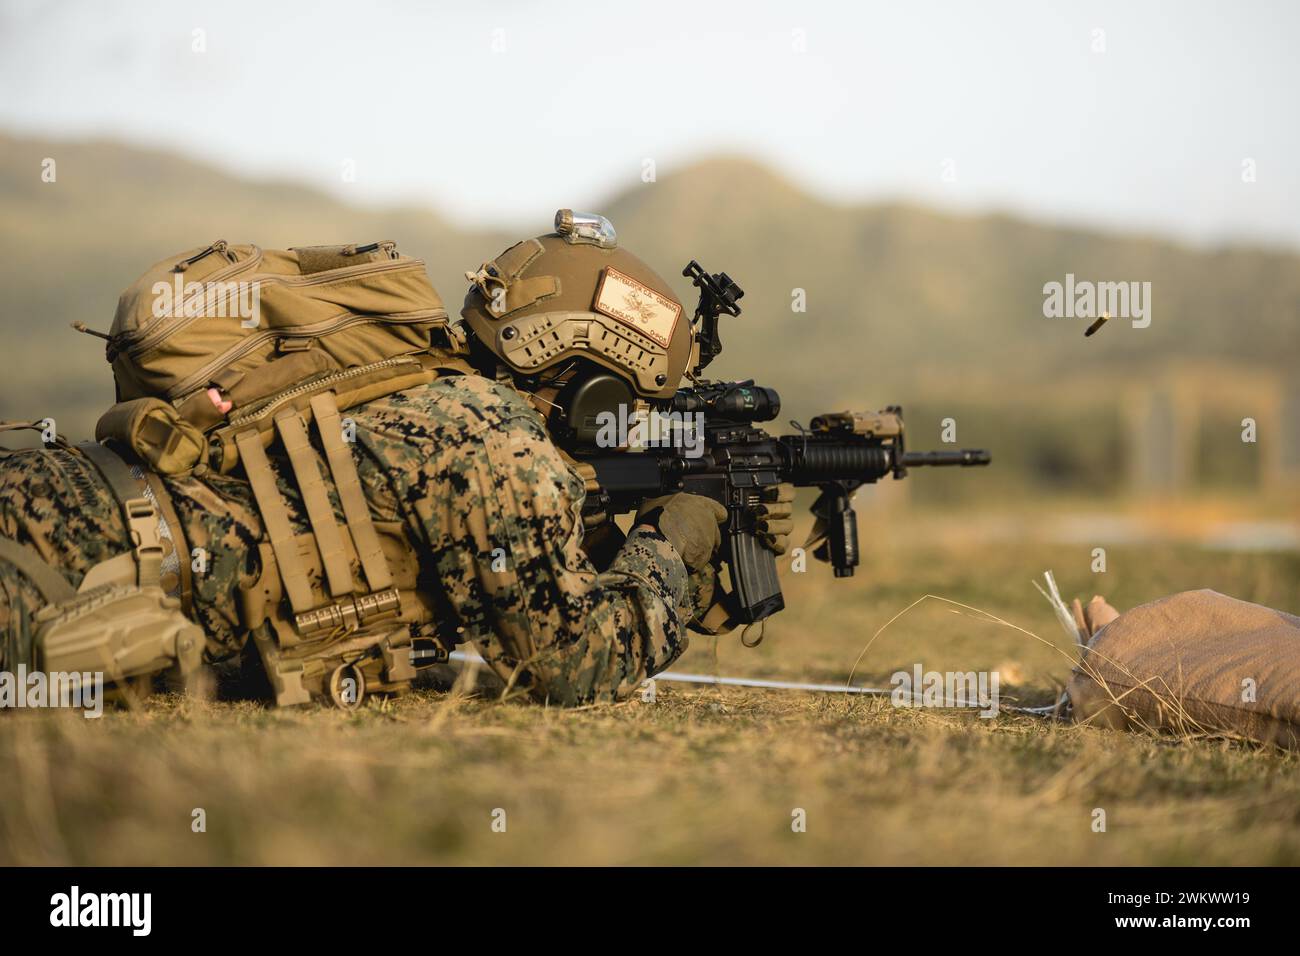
<point x="170" y="522"/>
<point x="344" y="471"/>
<point x="49" y="582"/>
<point x="293" y="572"/>
<point x="138" y="511"/>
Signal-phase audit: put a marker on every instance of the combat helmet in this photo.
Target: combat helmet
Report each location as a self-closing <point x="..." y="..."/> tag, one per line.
<point x="575" y="295"/>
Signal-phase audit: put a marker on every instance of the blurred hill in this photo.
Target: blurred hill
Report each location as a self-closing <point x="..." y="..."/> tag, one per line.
<point x="896" y="292"/>
<point x="67" y="249"/>
<point x="903" y="304"/>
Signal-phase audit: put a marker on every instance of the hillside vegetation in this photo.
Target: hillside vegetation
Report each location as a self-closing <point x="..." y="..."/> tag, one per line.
<point x="903" y="304"/>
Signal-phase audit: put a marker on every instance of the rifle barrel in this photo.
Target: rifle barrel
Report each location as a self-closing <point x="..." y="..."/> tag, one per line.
<point x="966" y="458"/>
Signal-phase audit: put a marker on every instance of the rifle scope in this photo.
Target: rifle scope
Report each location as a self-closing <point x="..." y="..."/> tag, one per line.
<point x="729" y="401"/>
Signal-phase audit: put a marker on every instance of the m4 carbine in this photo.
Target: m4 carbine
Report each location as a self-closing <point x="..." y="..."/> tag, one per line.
<point x="734" y="460"/>
<point x="737" y="460"/>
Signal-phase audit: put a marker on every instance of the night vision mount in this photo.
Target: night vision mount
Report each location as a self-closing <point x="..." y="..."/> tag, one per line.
<point x="718" y="294"/>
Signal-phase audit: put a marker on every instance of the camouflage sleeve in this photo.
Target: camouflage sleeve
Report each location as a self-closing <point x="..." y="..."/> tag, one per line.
<point x="649" y="580"/>
<point x="555" y="626"/>
<point x="500" y="513"/>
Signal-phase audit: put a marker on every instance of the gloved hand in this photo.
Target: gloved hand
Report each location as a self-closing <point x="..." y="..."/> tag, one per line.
<point x="775" y="518"/>
<point x="702" y="590"/>
<point x="691" y="525"/>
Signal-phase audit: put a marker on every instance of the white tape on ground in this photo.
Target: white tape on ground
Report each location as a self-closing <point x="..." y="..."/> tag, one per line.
<point x="733" y="681"/>
<point x="782" y="685"/>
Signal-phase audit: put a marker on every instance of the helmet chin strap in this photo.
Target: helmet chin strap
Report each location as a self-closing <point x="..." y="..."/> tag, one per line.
<point x="541" y="400"/>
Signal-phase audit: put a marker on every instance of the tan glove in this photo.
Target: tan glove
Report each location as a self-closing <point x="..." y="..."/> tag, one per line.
<point x="775" y="518"/>
<point x="690" y="523"/>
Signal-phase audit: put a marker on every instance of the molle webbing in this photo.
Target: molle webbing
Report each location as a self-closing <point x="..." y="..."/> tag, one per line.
<point x="276" y="519"/>
<point x="348" y="485"/>
<point x="293" y="434"/>
<point x="354" y="610"/>
<point x="521" y="292"/>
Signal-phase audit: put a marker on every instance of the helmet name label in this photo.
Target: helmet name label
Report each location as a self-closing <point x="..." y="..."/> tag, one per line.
<point x="622" y="297"/>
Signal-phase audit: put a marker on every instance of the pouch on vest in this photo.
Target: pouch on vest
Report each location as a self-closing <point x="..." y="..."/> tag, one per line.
<point x="156" y="432"/>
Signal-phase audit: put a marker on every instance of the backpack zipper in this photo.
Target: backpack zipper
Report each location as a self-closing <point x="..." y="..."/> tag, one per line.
<point x="145" y="336"/>
<point x="151" y="337"/>
<point x="200" y="377"/>
<point x="220" y="246"/>
<point x="333" y="378"/>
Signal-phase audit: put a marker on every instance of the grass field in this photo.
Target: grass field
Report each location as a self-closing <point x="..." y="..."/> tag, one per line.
<point x="699" y="775"/>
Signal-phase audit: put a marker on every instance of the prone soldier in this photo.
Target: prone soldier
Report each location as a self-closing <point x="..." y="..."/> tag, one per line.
<point x="472" y="516"/>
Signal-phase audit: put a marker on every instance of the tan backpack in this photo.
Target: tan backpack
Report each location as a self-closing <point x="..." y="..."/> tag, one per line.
<point x="207" y="342"/>
<point x="222" y="350"/>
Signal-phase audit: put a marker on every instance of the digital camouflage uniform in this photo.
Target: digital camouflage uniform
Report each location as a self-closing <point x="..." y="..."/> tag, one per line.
<point x="489" y="504"/>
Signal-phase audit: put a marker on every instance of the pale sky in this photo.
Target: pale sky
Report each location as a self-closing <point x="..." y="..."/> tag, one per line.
<point x="497" y="113"/>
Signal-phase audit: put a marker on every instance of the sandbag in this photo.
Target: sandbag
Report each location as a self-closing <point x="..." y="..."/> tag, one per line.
<point x="1199" y="663"/>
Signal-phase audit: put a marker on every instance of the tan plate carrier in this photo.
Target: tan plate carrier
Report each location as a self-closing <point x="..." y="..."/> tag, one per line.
<point x="336" y="639"/>
<point x="202" y="386"/>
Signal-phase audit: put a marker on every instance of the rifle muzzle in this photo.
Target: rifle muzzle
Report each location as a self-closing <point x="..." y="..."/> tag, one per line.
<point x="966" y="458"/>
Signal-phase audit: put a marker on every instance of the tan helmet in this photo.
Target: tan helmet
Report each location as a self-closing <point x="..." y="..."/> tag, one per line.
<point x="574" y="294"/>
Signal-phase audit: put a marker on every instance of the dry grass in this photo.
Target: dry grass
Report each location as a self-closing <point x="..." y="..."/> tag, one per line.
<point x="699" y="775"/>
